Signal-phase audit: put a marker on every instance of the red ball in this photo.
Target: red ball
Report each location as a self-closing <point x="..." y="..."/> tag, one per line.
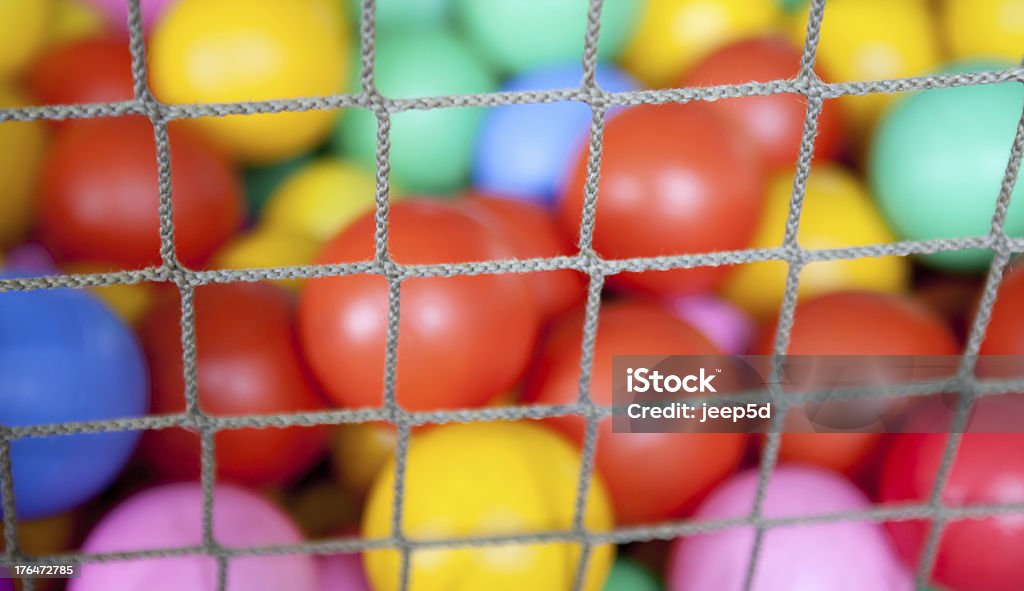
<point x="855" y="323"/>
<point x="462" y="340"/>
<point x="99" y="199"/>
<point x="976" y="554"/>
<point x="248" y="363"/>
<point x="773" y="122"/>
<point x="650" y="476"/>
<point x="675" y="179"/>
<point x="90" y="71"/>
<point x="531" y="231"/>
<point x="1005" y="335"/>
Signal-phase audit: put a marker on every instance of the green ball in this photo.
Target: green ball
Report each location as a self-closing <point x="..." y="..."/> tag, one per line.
<point x="519" y="35"/>
<point x="260" y="182"/>
<point x="791" y="6"/>
<point x="431" y="150"/>
<point x="937" y="162"/>
<point x="627" y="575"/>
<point x="397" y="13"/>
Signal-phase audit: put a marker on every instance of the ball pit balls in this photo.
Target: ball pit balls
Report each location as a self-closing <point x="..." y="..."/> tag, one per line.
<point x="844" y="555"/>
<point x="1005" y="334"/>
<point x="522" y="151"/>
<point x="266" y="247"/>
<point x="773" y="122"/>
<point x="5" y="583"/>
<point x="171" y="516"/>
<point x="488" y="324"/>
<point x="203" y="52"/>
<point x="93" y="70"/>
<point x="483" y="479"/>
<point x="74" y="20"/>
<point x="247" y="363"/>
<point x="675" y="34"/>
<point x="517" y="35"/>
<point x="942" y="180"/>
<point x="650" y="476"/>
<point x="983" y="28"/>
<point x="320" y="199"/>
<point x="342" y="572"/>
<point x="31" y="257"/>
<point x="664" y="168"/>
<point x="102" y="376"/>
<point x="855" y="323"/>
<point x="261" y="181"/>
<point x="24" y="25"/>
<point x="23" y="145"/>
<point x="99" y="199"/>
<point x="392" y="14"/>
<point x="627" y="575"/>
<point x="116" y="12"/>
<point x="838" y="212"/>
<point x="988" y="469"/>
<point x="431" y="150"/>
<point x="725" y="325"/>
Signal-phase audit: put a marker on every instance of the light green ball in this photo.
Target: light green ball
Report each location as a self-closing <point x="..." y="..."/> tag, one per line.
<point x="627" y="575"/>
<point x="791" y="6"/>
<point x="431" y="150"/>
<point x="397" y="13"/>
<point x="937" y="162"/>
<point x="518" y="35"/>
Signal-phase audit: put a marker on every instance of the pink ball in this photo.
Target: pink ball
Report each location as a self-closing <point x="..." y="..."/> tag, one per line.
<point x="342" y="572"/>
<point x="838" y="556"/>
<point x="117" y="12"/>
<point x="726" y="326"/>
<point x="32" y="257"/>
<point x="170" y="516"/>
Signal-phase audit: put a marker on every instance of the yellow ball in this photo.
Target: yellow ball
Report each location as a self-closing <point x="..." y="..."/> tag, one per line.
<point x="872" y="40"/>
<point x="24" y="27"/>
<point x="129" y="301"/>
<point x="984" y="28"/>
<point x="838" y="212"/>
<point x="675" y="34"/>
<point x="359" y="452"/>
<point x="74" y="20"/>
<point x="22" y="144"/>
<point x="484" y="479"/>
<point x="320" y="199"/>
<point x="265" y="248"/>
<point x="244" y="50"/>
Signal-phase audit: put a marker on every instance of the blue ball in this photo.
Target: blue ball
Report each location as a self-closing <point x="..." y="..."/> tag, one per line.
<point x="524" y="151"/>
<point x="65" y="357"/>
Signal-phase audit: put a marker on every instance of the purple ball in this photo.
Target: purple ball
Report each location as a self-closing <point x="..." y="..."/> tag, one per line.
<point x="170" y="516"/>
<point x="116" y="12"/>
<point x="838" y="556"/>
<point x="342" y="572"/>
<point x="32" y="257"/>
<point x="5" y="583"/>
<point x="726" y="326"/>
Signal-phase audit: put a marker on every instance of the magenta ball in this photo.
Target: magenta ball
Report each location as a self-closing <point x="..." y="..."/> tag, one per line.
<point x="342" y="572"/>
<point x="838" y="556"/>
<point x="116" y="11"/>
<point x="32" y="257"/>
<point x="725" y="325"/>
<point x="170" y="516"/>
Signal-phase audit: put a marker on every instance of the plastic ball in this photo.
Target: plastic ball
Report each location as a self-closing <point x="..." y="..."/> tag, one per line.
<point x="674" y="34"/>
<point x="31" y="257"/>
<point x="24" y="26"/>
<point x="116" y="12"/>
<point x="518" y="35"/>
<point x="264" y="248"/>
<point x="6" y="584"/>
<point x="532" y="232"/>
<point x="203" y="52"/>
<point x="650" y="476"/>
<point x="838" y="212"/>
<point x="171" y="516"/>
<point x="99" y="199"/>
<point x="1005" y="334"/>
<point x="65" y="357"/>
<point x="726" y="326"/>
<point x="431" y="150"/>
<point x="976" y="554"/>
<point x="74" y="20"/>
<point x="321" y="509"/>
<point x="401" y="13"/>
<point x="483" y="479"/>
<point x="261" y="181"/>
<point x="358" y="453"/>
<point x="627" y="575"/>
<point x="129" y="301"/>
<point x="342" y="572"/>
<point x="942" y="181"/>
<point x="487" y="323"/>
<point x="247" y="363"/>
<point x="843" y="555"/>
<point x="22" y="143"/>
<point x="94" y="70"/>
<point x="774" y="122"/>
<point x="665" y="168"/>
<point x="320" y="199"/>
<point x="523" y="151"/>
<point x="855" y="323"/>
<point x="983" y="28"/>
<point x="872" y="40"/>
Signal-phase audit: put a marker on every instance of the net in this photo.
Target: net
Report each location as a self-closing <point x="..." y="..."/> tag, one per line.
<point x="806" y="83"/>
